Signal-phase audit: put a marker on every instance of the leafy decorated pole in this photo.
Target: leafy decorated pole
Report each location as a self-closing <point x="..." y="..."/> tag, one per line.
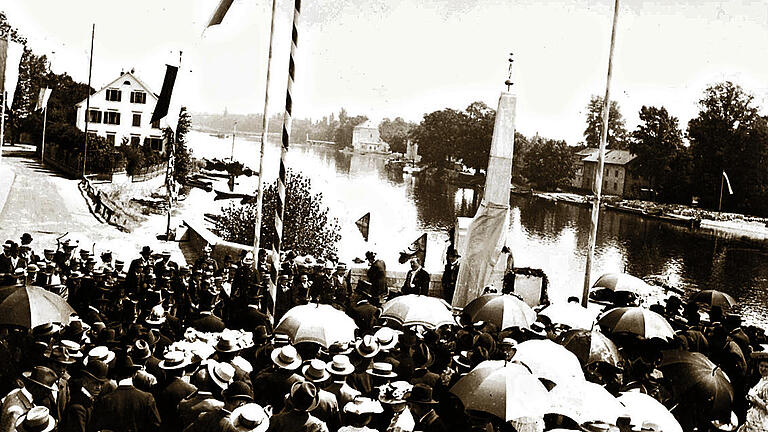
<point x="598" y="187"/>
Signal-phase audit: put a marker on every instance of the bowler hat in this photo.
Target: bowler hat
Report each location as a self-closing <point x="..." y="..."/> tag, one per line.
<point x="42" y="376"/>
<point x="238" y="390"/>
<point x="140" y="350"/>
<point x="304" y="396"/>
<point x="45" y="329"/>
<point x="60" y="355"/>
<point x="422" y="394"/>
<point x="97" y="370"/>
<point x="146" y="250"/>
<point x="227" y="344"/>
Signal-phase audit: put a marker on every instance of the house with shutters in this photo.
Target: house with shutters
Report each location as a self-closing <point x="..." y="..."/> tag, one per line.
<point x="619" y="177"/>
<point x="123" y="109"/>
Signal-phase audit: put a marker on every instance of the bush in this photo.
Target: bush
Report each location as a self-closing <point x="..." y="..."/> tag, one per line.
<point x="307" y="228"/>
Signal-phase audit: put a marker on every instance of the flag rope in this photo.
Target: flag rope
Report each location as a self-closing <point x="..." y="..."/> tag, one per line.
<point x="287" y="120"/>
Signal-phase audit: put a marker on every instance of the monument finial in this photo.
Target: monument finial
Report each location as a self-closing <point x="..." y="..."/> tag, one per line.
<point x="509" y="82"/>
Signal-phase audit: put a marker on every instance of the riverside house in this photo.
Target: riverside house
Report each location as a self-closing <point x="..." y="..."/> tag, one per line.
<point x="123" y="109"/>
<point x="618" y="176"/>
<point x="365" y="138"/>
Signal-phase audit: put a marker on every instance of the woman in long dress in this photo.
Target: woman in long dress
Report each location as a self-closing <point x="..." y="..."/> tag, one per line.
<point x="757" y="415"/>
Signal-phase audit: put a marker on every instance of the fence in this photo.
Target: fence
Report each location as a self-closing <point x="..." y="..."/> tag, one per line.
<point x="98" y="204"/>
<point x="148" y="173"/>
<point x="70" y="163"/>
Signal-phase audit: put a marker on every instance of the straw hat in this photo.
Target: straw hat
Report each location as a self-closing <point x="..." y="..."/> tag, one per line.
<point x="394" y="392"/>
<point x="363" y="405"/>
<point x="73" y="348"/>
<point x="100" y="353"/>
<point x="250" y="418"/>
<point x="340" y="365"/>
<point x="221" y="373"/>
<point x="174" y="360"/>
<point x="367" y="346"/>
<point x="315" y="371"/>
<point x="286" y="357"/>
<point x="60" y="355"/>
<point x="37" y="419"/>
<point x="386" y="337"/>
<point x="156" y="315"/>
<point x="381" y="369"/>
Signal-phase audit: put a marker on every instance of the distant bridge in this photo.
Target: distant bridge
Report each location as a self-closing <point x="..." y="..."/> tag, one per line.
<point x="313" y="142"/>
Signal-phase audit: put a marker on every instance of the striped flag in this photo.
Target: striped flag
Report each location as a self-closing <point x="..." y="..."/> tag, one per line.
<point x="728" y="182"/>
<point x="161" y="108"/>
<point x="10" y="57"/>
<point x="218" y="14"/>
<point x="42" y="99"/>
<point x="363" y="223"/>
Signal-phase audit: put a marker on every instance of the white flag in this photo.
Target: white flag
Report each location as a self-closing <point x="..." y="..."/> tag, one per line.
<point x="728" y="182"/>
<point x="42" y="98"/>
<point x="10" y="58"/>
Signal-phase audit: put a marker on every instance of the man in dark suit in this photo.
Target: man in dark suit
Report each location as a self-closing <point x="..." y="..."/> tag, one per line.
<point x="174" y="390"/>
<point x="77" y="417"/>
<point x="416" y="280"/>
<point x="207" y="321"/>
<point x="450" y="274"/>
<point x="422" y="405"/>
<point x="377" y="277"/>
<point x="126" y="409"/>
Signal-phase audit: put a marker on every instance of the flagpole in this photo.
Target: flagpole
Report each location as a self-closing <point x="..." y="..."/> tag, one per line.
<point x="2" y="125"/>
<point x="45" y="119"/>
<point x="720" y="204"/>
<point x="88" y="100"/>
<point x="598" y="188"/>
<point x="264" y="134"/>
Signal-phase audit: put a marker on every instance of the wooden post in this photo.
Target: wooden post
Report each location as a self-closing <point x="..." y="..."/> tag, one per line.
<point x="88" y="101"/>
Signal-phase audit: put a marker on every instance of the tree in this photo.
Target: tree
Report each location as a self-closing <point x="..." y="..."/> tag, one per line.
<point x="522" y="145"/>
<point x="307" y="228"/>
<point x="656" y="143"/>
<point x="395" y="133"/>
<point x="476" y="146"/>
<point x="346" y="127"/>
<point x="549" y="163"/>
<point x="183" y="158"/>
<point x="440" y="135"/>
<point x="729" y="135"/>
<point x="617" y="133"/>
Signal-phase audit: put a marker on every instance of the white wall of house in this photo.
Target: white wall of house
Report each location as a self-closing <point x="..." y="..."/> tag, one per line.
<point x="367" y="138"/>
<point x="123" y="109"/>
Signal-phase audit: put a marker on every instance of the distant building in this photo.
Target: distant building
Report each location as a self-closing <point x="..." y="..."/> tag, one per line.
<point x="578" y="164"/>
<point x="365" y="138"/>
<point x="123" y="109"/>
<point x="412" y="151"/>
<point x="618" y="176"/>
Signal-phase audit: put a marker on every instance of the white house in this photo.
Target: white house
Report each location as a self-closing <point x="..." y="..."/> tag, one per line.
<point x="365" y="138"/>
<point x="123" y="109"/>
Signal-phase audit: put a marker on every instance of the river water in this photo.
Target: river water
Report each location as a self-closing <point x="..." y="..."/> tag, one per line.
<point x="543" y="234"/>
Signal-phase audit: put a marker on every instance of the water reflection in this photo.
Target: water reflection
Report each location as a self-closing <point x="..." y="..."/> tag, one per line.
<point x="547" y="235"/>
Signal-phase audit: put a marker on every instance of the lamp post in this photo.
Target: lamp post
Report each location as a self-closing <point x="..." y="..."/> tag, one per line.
<point x="234" y="131"/>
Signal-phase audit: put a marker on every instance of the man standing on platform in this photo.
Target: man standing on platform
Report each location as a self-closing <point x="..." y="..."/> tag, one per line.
<point x="417" y="279"/>
<point x="450" y="274"/>
<point x="377" y="277"/>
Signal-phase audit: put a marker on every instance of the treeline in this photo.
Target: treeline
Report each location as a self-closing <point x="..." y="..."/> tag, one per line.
<point x="728" y="135"/>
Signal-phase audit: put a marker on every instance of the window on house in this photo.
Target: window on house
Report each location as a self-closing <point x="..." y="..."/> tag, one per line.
<point x="138" y="97"/>
<point x="615" y="186"/>
<point x="112" y="117"/>
<point x="94" y="116"/>
<point x="156" y="143"/>
<point x="136" y="120"/>
<point x="114" y="95"/>
<point x="110" y="138"/>
<point x="135" y="140"/>
<point x="156" y="124"/>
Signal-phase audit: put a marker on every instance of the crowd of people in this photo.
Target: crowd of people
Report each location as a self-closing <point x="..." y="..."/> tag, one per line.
<point x="110" y="367"/>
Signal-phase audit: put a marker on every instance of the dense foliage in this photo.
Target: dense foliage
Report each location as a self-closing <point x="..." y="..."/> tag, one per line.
<point x="549" y="163"/>
<point x="617" y="133"/>
<point x="395" y="133"/>
<point x="307" y="228"/>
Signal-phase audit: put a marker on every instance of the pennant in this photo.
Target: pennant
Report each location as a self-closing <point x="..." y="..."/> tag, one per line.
<point x="10" y="57"/>
<point x="170" y="184"/>
<point x="161" y="108"/>
<point x="218" y="14"/>
<point x="42" y="99"/>
<point x="417" y="249"/>
<point x="728" y="182"/>
<point x="363" y="223"/>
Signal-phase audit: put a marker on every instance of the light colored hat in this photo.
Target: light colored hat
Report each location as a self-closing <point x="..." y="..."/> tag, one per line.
<point x="315" y="371"/>
<point x="394" y="392"/>
<point x="174" y="360"/>
<point x="156" y="315"/>
<point x="286" y="357"/>
<point x="368" y="346"/>
<point x="340" y="365"/>
<point x="382" y="369"/>
<point x="100" y="353"/>
<point x="221" y="373"/>
<point x="386" y="337"/>
<point x="37" y="419"/>
<point x="250" y="418"/>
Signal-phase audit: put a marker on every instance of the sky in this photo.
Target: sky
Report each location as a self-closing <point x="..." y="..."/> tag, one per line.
<point x="389" y="58"/>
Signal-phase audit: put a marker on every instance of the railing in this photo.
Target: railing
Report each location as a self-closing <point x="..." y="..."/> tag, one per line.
<point x="98" y="203"/>
<point x="148" y="173"/>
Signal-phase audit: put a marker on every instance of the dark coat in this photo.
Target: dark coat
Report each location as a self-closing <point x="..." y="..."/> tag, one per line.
<point x="365" y="315"/>
<point x="168" y="402"/>
<point x="214" y="421"/>
<point x="252" y="317"/>
<point x="431" y="423"/>
<point x="127" y="409"/>
<point x="208" y="323"/>
<point x="377" y="276"/>
<point x="416" y="282"/>
<point x="77" y="416"/>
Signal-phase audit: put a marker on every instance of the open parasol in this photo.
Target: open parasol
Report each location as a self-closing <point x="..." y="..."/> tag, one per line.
<point x="713" y="298"/>
<point x="503" y="310"/>
<point x="643" y="408"/>
<point x="590" y="346"/>
<point x="507" y="390"/>
<point x="694" y="378"/>
<point x="413" y="309"/>
<point x="319" y="323"/>
<point x="584" y="402"/>
<point x="637" y="321"/>
<point x="549" y="360"/>
<point x="30" y="306"/>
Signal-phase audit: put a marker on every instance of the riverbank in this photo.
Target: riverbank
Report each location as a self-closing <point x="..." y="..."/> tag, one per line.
<point x="722" y="223"/>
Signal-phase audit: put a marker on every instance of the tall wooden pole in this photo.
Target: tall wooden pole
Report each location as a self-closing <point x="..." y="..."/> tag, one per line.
<point x="720" y="204"/>
<point x="598" y="188"/>
<point x="264" y="134"/>
<point x="2" y="126"/>
<point x="88" y="100"/>
<point x="45" y="120"/>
